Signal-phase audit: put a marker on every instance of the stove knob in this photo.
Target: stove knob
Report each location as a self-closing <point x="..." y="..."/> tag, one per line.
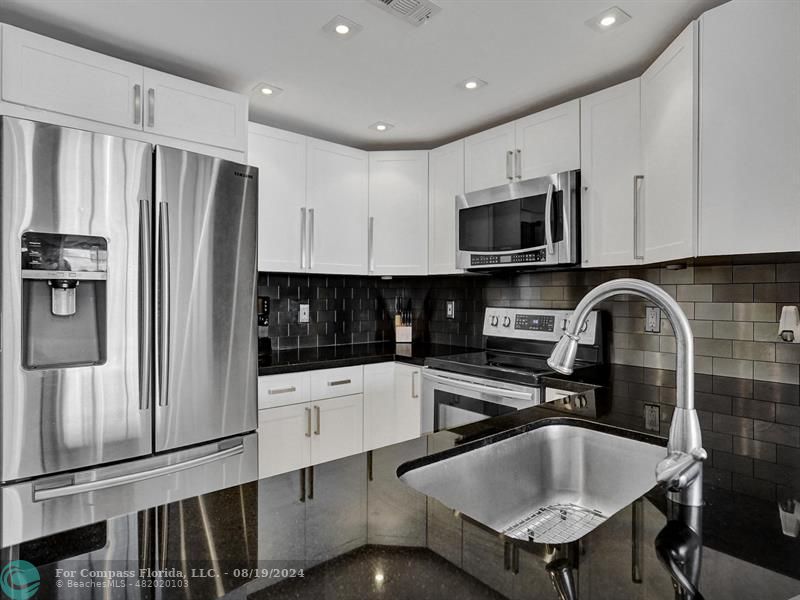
<point x="494" y="321"/>
<point x="506" y="321"/>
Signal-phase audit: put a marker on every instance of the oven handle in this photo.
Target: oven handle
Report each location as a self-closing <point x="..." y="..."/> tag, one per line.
<point x="479" y="387"/>
<point x="548" y="219"/>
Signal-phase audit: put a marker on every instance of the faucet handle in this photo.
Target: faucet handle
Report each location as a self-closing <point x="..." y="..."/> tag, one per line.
<point x="679" y="469"/>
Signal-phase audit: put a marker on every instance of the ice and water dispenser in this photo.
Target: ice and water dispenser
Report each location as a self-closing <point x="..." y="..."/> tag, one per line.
<point x="63" y="300"/>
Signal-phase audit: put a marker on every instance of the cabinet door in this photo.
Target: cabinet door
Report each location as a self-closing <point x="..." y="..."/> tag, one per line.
<point x="489" y="158"/>
<point x="610" y="161"/>
<point x="396" y="513"/>
<point x="51" y="75"/>
<point x="548" y="141"/>
<point x="408" y="403"/>
<point x="398" y="213"/>
<point x="336" y="508"/>
<point x="749" y="128"/>
<point x="379" y="405"/>
<point x="281" y="160"/>
<point x="188" y="110"/>
<point x="337" y="193"/>
<point x="284" y="439"/>
<point x="669" y="137"/>
<point x="445" y="182"/>
<point x="281" y="523"/>
<point x="337" y="428"/>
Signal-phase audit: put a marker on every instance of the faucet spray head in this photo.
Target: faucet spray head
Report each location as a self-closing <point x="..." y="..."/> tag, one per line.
<point x="563" y="355"/>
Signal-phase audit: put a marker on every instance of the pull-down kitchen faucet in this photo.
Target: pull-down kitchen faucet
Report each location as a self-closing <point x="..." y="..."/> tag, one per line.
<point x="682" y="470"/>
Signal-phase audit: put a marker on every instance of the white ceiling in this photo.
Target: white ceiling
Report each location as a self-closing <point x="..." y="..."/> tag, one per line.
<point x="533" y="53"/>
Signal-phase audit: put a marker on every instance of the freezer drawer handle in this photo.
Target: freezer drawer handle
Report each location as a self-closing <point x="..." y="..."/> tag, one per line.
<point x="102" y="484"/>
<point x="340" y="382"/>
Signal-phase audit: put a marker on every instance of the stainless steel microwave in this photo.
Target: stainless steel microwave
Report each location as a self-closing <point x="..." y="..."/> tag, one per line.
<point x="523" y="224"/>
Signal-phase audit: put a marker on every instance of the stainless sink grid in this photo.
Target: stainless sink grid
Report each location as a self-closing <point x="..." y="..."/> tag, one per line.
<point x="556" y="524"/>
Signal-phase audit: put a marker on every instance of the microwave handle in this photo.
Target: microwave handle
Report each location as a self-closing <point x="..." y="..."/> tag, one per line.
<point x="548" y="219"/>
<point x="479" y="387"/>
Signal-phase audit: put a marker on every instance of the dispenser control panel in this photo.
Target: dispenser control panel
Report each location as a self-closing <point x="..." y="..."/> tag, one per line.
<point x="62" y="256"/>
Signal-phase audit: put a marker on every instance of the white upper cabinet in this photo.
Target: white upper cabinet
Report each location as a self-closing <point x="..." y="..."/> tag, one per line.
<point x="179" y="108"/>
<point x="58" y="77"/>
<point x="611" y="160"/>
<point x="540" y="144"/>
<point x="445" y="182"/>
<point x="548" y="142"/>
<point x="398" y="213"/>
<point x="750" y="128"/>
<point x="337" y="201"/>
<point x="489" y="158"/>
<point x="281" y="160"/>
<point x="669" y="138"/>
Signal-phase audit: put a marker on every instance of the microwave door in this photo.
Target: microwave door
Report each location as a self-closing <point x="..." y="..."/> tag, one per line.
<point x="206" y="344"/>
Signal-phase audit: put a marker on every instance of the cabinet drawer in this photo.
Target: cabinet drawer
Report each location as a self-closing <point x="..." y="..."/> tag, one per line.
<point x="282" y="390"/>
<point x="332" y="383"/>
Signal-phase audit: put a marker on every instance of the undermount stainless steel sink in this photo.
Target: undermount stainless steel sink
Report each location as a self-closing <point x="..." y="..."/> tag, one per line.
<point x="551" y="484"/>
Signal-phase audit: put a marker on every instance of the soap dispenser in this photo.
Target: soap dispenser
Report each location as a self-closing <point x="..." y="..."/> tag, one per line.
<point x="789" y="327"/>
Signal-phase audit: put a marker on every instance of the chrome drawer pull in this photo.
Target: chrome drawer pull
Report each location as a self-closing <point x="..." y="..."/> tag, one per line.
<point x="286" y="390"/>
<point x="340" y="382"/>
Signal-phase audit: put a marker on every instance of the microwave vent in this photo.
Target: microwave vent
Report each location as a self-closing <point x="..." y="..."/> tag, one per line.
<point x="415" y="12"/>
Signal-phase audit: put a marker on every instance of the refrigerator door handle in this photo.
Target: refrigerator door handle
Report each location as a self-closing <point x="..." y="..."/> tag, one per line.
<point x="164" y="307"/>
<point x="102" y="484"/>
<point x="145" y="305"/>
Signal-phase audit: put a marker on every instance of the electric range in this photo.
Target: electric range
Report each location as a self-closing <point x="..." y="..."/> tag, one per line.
<point x="507" y="375"/>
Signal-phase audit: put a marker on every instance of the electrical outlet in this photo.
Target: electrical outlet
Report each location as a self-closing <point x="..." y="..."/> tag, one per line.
<point x="451" y="309"/>
<point x="652" y="417"/>
<point x="302" y="313"/>
<point x="652" y="321"/>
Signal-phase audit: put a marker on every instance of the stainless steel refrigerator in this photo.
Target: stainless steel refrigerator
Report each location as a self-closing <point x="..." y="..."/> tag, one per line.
<point x="128" y="360"/>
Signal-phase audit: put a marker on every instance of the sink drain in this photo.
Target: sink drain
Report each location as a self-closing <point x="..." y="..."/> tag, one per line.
<point x="556" y="524"/>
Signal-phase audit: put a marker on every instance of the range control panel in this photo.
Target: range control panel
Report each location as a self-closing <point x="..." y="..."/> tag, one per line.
<point x="534" y="324"/>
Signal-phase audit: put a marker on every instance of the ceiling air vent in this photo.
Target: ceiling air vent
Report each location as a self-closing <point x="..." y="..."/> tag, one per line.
<point x="415" y="12"/>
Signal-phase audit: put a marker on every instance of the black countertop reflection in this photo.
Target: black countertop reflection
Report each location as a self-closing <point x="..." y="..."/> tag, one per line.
<point x="733" y="523"/>
<point x="346" y="355"/>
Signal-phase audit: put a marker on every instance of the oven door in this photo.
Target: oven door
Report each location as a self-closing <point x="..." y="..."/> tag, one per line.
<point x="531" y="222"/>
<point x="450" y="400"/>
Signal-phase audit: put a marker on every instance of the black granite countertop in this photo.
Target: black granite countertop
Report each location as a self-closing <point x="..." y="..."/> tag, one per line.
<point x="346" y="355"/>
<point x="739" y="525"/>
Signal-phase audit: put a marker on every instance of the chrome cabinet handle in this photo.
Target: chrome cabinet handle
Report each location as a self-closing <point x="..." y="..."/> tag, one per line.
<point x="371" y="245"/>
<point x="145" y="305"/>
<point x="302" y="485"/>
<point x="637" y="179"/>
<point x="518" y="163"/>
<point x="339" y="382"/>
<point x="137" y="104"/>
<point x="151" y="107"/>
<point x="509" y="159"/>
<point x="286" y="390"/>
<point x="308" y="422"/>
<point x="311" y="238"/>
<point x="319" y="421"/>
<point x="303" y="257"/>
<point x="102" y="484"/>
<point x="164" y="303"/>
<point x="310" y="495"/>
<point x="414" y="393"/>
<point x="548" y="214"/>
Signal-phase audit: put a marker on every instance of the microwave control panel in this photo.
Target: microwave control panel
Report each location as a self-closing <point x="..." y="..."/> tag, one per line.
<point x="481" y="260"/>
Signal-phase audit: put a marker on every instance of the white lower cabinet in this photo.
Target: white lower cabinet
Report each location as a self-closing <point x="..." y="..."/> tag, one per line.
<point x="337" y="428"/>
<point x="392" y="404"/>
<point x="284" y="440"/>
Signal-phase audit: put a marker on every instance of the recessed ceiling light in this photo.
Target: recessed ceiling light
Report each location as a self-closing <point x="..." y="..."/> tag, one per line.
<point x="381" y="126"/>
<point x="608" y="19"/>
<point x="267" y="89"/>
<point x="341" y="27"/>
<point x="473" y="83"/>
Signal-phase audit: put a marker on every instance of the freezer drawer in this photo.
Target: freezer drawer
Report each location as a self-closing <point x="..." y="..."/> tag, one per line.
<point x="34" y="509"/>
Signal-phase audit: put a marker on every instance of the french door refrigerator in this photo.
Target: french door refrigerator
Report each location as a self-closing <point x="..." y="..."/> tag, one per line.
<point x="128" y="360"/>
